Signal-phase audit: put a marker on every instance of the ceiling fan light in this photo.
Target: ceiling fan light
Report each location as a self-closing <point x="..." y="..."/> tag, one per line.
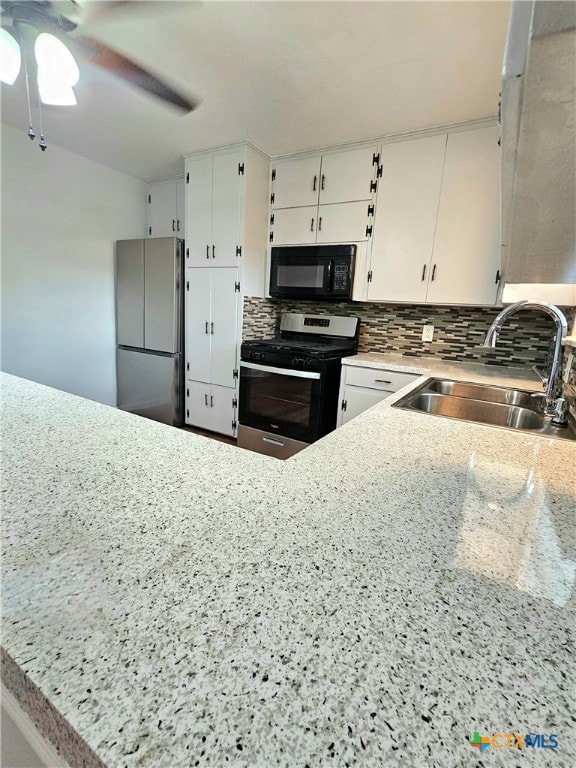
<point x="55" y="94"/>
<point x="57" y="71"/>
<point x="10" y="57"/>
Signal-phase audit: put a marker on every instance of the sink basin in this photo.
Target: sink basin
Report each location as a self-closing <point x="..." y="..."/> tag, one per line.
<point x="483" y="404"/>
<point x="481" y="411"/>
<point x="482" y="392"/>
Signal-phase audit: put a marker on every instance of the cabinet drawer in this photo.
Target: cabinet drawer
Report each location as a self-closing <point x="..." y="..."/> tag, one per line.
<point x="378" y="378"/>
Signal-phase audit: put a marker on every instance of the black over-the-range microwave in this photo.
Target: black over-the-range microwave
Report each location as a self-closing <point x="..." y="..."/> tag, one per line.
<point x="312" y="271"/>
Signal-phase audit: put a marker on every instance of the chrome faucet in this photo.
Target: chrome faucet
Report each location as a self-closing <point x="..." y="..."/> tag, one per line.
<point x="554" y="404"/>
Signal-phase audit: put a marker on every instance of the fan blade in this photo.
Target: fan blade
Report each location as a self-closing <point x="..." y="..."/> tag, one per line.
<point x="101" y="55"/>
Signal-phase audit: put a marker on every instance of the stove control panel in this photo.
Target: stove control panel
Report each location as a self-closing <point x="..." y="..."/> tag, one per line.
<point x="252" y="354"/>
<point x="301" y="362"/>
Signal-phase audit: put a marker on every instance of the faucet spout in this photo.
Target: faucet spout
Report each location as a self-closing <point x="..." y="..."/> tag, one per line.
<point x="553" y="386"/>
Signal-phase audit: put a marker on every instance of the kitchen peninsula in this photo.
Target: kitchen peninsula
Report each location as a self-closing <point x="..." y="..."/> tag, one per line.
<point x="173" y="601"/>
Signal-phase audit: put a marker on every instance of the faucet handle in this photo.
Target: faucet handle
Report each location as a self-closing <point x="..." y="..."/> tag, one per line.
<point x="541" y="376"/>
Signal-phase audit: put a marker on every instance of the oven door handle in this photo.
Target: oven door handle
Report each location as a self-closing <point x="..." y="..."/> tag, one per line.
<point x="281" y="371"/>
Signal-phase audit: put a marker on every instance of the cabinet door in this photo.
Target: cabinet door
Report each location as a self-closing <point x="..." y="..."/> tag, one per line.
<point x="358" y="400"/>
<point x="199" y="213"/>
<point x="180" y="206"/>
<point x="406" y="212"/>
<point x="222" y="410"/>
<point x="223" y="327"/>
<point x="466" y="253"/>
<point x="226" y="203"/>
<point x="294" y="226"/>
<point x="198" y="404"/>
<point x="198" y="324"/>
<point x="130" y="293"/>
<point x="296" y="182"/>
<point x="343" y="222"/>
<point x="346" y="176"/>
<point x="162" y="209"/>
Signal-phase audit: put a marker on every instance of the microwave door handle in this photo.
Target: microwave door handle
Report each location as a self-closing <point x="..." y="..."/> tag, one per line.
<point x="330" y="285"/>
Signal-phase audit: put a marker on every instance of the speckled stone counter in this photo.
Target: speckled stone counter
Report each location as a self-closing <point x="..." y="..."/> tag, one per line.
<point x="172" y="601"/>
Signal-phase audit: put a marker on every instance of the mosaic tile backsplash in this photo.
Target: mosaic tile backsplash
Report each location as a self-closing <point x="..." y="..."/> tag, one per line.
<point x="569" y="390"/>
<point x="526" y="339"/>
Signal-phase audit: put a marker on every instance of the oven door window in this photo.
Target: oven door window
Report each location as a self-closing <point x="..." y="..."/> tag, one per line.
<point x="280" y="401"/>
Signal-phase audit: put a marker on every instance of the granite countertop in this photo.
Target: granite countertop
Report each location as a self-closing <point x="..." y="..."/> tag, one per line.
<point x="173" y="601"/>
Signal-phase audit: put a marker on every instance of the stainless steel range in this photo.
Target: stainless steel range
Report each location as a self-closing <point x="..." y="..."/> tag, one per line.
<point x="289" y="384"/>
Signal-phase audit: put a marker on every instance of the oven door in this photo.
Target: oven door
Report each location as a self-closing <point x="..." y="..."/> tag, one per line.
<point x="281" y="401"/>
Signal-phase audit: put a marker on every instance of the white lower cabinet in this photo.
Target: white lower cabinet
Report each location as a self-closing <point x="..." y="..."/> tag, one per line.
<point x="211" y="407"/>
<point x="362" y="387"/>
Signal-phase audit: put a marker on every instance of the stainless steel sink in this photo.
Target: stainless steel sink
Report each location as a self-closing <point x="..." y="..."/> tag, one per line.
<point x="495" y="406"/>
<point x="482" y="392"/>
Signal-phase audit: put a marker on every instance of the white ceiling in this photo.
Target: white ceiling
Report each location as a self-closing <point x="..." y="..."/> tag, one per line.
<point x="288" y="76"/>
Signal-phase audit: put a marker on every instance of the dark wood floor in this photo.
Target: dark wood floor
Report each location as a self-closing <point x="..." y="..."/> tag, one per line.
<point x="212" y="435"/>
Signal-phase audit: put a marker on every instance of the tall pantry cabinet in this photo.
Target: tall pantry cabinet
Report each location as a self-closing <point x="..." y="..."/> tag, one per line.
<point x="225" y="254"/>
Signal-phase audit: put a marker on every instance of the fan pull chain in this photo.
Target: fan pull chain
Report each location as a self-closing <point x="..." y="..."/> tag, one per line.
<point x="31" y="133"/>
<point x="42" y="143"/>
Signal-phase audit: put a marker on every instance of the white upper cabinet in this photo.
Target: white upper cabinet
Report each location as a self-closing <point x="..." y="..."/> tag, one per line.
<point x="315" y="198"/>
<point x="347" y="176"/>
<point x="227" y="197"/>
<point x="214" y="192"/>
<point x="436" y="230"/>
<point x="406" y="212"/>
<point x="343" y="222"/>
<point x="294" y="225"/>
<point x="295" y="182"/>
<point x="166" y="208"/>
<point x="466" y="255"/>
<point x="227" y="192"/>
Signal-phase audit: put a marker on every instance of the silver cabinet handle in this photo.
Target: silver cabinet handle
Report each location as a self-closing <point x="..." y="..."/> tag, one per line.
<point x="177" y="225"/>
<point x="212" y="328"/>
<point x="206" y="327"/>
<point x="206" y="400"/>
<point x="272" y="441"/>
<point x="213" y="251"/>
<point x="207" y="251"/>
<point x="424" y="272"/>
<point x="320" y="224"/>
<point x="314" y="183"/>
<point x="433" y="273"/>
<point x="311" y="225"/>
<point x="322" y="181"/>
<point x="173" y="225"/>
<point x="383" y="381"/>
<point x="211" y="401"/>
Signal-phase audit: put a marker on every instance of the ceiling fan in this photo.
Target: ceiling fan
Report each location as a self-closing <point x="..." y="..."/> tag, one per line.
<point x="28" y="21"/>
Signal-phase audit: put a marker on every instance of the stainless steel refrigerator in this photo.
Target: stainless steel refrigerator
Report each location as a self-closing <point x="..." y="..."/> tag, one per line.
<point x="149" y="328"/>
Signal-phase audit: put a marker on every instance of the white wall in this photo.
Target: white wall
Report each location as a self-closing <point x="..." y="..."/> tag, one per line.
<point x="61" y="214"/>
